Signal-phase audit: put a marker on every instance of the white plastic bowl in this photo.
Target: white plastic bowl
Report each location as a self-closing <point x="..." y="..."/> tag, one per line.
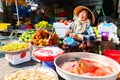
<point x="45" y="70"/>
<point x="96" y="57"/>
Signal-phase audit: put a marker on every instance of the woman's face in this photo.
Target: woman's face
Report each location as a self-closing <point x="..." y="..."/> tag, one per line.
<point x="83" y="15"/>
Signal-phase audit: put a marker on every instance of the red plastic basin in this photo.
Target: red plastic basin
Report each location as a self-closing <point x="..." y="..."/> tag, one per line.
<point x="47" y="53"/>
<point x="114" y="54"/>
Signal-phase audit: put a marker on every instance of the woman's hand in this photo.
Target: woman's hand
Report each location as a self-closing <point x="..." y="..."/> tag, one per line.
<point x="73" y="35"/>
<point x="80" y="37"/>
<point x="68" y="32"/>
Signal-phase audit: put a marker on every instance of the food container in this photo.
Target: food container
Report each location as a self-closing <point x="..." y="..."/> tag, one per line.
<point x="33" y="47"/>
<point x="49" y="64"/>
<point x="60" y="29"/>
<point x="32" y="73"/>
<point x="16" y="52"/>
<point x="47" y="55"/>
<point x="19" y="57"/>
<point x="114" y="54"/>
<point x="105" y="36"/>
<point x="84" y="55"/>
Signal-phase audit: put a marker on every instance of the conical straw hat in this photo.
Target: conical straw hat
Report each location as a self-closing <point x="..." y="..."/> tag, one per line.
<point x="79" y="8"/>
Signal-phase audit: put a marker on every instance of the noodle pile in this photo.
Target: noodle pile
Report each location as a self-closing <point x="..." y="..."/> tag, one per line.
<point x="31" y="74"/>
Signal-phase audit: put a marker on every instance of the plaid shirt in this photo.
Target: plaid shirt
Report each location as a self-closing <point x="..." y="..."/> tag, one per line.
<point x="87" y="32"/>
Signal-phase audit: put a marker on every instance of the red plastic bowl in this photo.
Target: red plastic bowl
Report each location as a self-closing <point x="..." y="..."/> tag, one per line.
<point x="41" y="56"/>
<point x="46" y="58"/>
<point x="114" y="54"/>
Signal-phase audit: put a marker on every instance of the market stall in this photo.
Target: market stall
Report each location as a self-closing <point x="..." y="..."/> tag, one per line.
<point x="12" y="61"/>
<point x="41" y="48"/>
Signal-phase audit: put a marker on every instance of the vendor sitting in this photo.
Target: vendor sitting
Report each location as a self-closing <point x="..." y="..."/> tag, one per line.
<point x="81" y="30"/>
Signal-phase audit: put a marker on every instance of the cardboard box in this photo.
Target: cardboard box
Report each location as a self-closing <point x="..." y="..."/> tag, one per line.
<point x="18" y="58"/>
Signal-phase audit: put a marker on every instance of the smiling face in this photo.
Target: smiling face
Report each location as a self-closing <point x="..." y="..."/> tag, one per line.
<point x="83" y="15"/>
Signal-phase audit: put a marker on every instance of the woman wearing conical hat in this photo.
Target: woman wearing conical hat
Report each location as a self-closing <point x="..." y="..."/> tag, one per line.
<point x="81" y="29"/>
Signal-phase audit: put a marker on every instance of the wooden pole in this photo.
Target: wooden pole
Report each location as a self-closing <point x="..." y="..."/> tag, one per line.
<point x="18" y="19"/>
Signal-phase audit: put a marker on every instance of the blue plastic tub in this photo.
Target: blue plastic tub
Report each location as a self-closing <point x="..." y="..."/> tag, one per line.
<point x="49" y="64"/>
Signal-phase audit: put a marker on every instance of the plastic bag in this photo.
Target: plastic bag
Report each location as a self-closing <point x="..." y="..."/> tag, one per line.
<point x="111" y="28"/>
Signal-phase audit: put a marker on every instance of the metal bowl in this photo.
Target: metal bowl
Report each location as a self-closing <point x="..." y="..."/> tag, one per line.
<point x="84" y="55"/>
<point x="17" y="51"/>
